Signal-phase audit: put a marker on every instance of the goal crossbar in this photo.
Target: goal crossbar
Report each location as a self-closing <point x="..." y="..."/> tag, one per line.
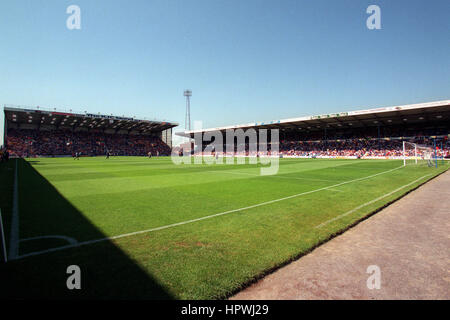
<point x="417" y="152"/>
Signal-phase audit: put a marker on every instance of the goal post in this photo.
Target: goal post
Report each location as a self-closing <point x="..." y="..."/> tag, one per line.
<point x="416" y="154"/>
<point x="409" y="150"/>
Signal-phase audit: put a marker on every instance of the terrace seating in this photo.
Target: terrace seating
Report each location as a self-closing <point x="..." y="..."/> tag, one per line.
<point x="355" y="147"/>
<point x="29" y="143"/>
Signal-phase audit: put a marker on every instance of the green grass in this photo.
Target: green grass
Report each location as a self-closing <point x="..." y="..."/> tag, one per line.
<point x="94" y="198"/>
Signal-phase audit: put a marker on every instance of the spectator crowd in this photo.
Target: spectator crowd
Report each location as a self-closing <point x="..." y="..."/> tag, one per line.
<point x="4" y="155"/>
<point x="361" y="148"/>
<point x="30" y="143"/>
<point x="356" y="147"/>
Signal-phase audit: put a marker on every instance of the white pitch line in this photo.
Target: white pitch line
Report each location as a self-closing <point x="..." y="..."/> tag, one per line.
<point x="79" y="244"/>
<point x="335" y="190"/>
<point x="266" y="176"/>
<point x="14" y="236"/>
<point x="3" y="237"/>
<point x="370" y="202"/>
<point x="278" y="176"/>
<point x="68" y="239"/>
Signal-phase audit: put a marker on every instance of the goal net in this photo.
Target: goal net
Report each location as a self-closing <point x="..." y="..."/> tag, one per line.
<point x="416" y="154"/>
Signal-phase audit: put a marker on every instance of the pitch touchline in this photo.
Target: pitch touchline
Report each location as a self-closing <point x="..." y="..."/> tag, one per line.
<point x="370" y="202"/>
<point x="83" y="243"/>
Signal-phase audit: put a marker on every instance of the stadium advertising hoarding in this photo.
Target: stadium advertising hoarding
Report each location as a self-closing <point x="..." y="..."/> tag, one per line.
<point x="102" y="116"/>
<point x="331" y="115"/>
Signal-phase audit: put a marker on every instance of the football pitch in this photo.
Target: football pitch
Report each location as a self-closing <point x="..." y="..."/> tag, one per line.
<point x="147" y="228"/>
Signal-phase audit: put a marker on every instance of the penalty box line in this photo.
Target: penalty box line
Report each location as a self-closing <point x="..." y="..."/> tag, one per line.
<point x="89" y="242"/>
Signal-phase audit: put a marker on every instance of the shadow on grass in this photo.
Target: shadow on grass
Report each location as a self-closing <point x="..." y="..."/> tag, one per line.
<point x="106" y="271"/>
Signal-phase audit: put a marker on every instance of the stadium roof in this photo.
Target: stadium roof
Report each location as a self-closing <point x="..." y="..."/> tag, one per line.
<point x="47" y="117"/>
<point x="413" y="113"/>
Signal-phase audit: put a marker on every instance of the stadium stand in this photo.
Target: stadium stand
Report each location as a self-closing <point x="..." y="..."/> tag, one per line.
<point x="32" y="133"/>
<point x="388" y="147"/>
<point x="373" y="133"/>
<point x="360" y="148"/>
<point x="29" y="143"/>
<point x="4" y="155"/>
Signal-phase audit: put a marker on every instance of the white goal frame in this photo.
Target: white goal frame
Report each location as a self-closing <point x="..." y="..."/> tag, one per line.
<point x="429" y="157"/>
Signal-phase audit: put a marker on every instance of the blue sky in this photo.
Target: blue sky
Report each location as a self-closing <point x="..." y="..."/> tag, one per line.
<point x="244" y="60"/>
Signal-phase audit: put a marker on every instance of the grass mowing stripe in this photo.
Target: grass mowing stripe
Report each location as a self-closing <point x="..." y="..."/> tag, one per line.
<point x="370" y="202"/>
<point x="200" y="219"/>
<point x="265" y="176"/>
<point x="208" y="259"/>
<point x="14" y="236"/>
